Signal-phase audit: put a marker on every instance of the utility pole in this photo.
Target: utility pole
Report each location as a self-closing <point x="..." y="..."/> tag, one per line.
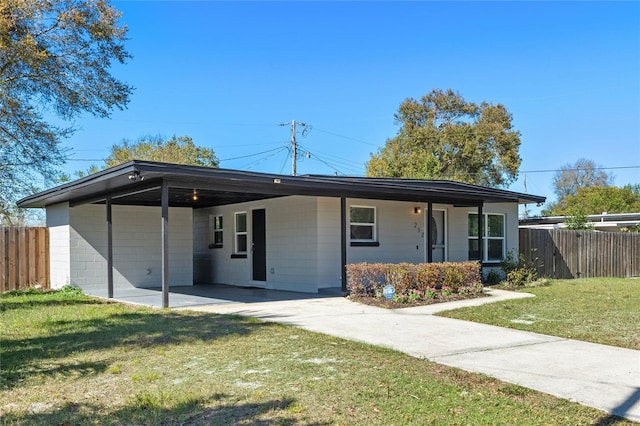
<point x="294" y="148"/>
<point x="294" y="145"/>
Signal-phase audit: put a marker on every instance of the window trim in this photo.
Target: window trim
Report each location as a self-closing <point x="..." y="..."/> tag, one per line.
<point x="237" y="253"/>
<point x="214" y="231"/>
<point x="373" y="242"/>
<point x="486" y="237"/>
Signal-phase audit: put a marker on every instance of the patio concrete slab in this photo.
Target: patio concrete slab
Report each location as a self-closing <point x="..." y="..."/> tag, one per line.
<point x="604" y="377"/>
<point x="203" y="294"/>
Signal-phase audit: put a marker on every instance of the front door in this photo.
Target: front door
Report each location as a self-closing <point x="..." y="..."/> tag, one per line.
<point x="259" y="245"/>
<point x="438" y="236"/>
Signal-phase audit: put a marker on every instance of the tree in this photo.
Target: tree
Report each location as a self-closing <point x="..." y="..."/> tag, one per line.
<point x="55" y="57"/>
<point x="178" y="149"/>
<point x="583" y="174"/>
<point x="442" y="136"/>
<point x="598" y="199"/>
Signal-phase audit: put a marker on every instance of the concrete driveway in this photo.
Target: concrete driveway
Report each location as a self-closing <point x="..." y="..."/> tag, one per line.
<point x="604" y="377"/>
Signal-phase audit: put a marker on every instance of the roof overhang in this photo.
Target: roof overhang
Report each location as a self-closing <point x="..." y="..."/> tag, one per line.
<point x="138" y="183"/>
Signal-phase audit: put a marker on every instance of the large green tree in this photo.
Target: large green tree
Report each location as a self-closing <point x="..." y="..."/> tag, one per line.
<point x="177" y="149"/>
<point x="443" y="136"/>
<point x="598" y="199"/>
<point x="55" y="60"/>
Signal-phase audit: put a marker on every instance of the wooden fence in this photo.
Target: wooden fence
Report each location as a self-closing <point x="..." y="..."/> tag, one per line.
<point x="24" y="257"/>
<point x="560" y="253"/>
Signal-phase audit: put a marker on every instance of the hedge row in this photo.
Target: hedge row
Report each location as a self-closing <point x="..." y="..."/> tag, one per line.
<point x="368" y="279"/>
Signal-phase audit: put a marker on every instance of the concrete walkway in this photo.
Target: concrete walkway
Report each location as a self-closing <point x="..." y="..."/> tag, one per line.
<point x="604" y="377"/>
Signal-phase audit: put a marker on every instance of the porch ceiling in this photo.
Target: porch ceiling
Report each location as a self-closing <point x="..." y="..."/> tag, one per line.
<point x="138" y="183"/>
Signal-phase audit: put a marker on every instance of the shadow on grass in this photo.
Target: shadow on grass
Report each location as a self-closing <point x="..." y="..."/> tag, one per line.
<point x="212" y="411"/>
<point x="43" y="300"/>
<point x="115" y="326"/>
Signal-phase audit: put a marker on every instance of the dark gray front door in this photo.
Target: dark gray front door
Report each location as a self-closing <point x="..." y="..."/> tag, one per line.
<point x="259" y="245"/>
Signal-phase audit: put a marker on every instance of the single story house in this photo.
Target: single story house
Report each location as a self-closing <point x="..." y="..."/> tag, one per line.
<point x="608" y="222"/>
<point x="149" y="224"/>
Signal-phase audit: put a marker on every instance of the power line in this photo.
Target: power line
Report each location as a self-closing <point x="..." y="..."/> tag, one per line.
<point x="347" y="137"/>
<point x="253" y="155"/>
<point x="580" y="168"/>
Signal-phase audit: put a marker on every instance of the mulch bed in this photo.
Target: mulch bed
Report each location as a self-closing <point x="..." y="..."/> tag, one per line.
<point x="382" y="302"/>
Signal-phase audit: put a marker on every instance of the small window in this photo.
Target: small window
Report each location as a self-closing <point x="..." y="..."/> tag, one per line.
<point x="241" y="233"/>
<point x="363" y="224"/>
<point x="216" y="231"/>
<point x="493" y="230"/>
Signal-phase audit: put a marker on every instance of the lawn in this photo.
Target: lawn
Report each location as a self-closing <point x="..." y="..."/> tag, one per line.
<point x="69" y="359"/>
<point x="599" y="310"/>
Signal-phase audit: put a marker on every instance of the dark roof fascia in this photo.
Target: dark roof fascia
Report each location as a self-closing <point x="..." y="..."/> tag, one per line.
<point x="116" y="180"/>
<point x="487" y="194"/>
<point x="39" y="199"/>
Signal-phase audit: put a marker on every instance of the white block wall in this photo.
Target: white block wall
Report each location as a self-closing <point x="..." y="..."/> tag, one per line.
<point x="59" y="250"/>
<point x="80" y="246"/>
<point x="400" y="233"/>
<point x="291" y="251"/>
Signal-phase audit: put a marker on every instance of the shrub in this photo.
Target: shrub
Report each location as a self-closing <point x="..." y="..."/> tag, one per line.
<point x="492" y="277"/>
<point x="368" y="279"/>
<point x="519" y="271"/>
<point x="427" y="276"/>
<point x="400" y="276"/>
<point x="453" y="278"/>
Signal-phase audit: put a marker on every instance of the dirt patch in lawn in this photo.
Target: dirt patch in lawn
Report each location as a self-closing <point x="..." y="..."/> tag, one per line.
<point x="382" y="302"/>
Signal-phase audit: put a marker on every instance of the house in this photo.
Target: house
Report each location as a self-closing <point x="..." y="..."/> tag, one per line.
<point x="150" y="224"/>
<point x="609" y="222"/>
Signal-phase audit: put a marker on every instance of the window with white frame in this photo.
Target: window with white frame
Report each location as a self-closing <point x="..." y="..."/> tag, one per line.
<point x="363" y="224"/>
<point x="493" y="230"/>
<point x="240" y="246"/>
<point x="216" y="231"/>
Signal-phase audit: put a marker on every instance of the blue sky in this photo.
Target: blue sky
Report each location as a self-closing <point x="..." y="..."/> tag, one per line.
<point x="227" y="73"/>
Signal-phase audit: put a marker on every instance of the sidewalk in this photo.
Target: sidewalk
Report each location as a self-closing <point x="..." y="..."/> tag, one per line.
<point x="604" y="377"/>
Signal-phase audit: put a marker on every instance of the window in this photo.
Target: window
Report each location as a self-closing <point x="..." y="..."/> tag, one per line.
<point x="493" y="249"/>
<point x="241" y="233"/>
<point x="216" y="231"/>
<point x="363" y="224"/>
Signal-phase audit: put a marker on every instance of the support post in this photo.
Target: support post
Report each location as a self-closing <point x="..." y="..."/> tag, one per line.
<point x="109" y="249"/>
<point x="343" y="242"/>
<point x="429" y="245"/>
<point x="165" y="243"/>
<point x="480" y="234"/>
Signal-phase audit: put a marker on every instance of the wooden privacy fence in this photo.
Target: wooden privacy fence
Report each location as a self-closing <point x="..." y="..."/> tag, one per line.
<point x="24" y="257"/>
<point x="560" y="253"/>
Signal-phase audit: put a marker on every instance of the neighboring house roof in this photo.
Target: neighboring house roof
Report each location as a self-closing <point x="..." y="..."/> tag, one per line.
<point x="604" y="221"/>
<point x="138" y="182"/>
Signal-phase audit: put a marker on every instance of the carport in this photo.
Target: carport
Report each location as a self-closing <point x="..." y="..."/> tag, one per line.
<point x="163" y="185"/>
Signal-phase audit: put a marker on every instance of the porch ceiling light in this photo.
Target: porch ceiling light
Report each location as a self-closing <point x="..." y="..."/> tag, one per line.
<point x="195" y="195"/>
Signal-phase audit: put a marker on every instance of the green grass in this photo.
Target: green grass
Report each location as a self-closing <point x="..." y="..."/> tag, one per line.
<point x="599" y="310"/>
<point x="70" y="359"/>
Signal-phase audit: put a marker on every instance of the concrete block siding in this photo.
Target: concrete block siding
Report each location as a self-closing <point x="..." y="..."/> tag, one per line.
<point x="302" y="235"/>
<point x="136" y="246"/>
<point x="303" y="240"/>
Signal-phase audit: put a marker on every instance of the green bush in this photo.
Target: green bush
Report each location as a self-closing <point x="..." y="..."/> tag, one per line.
<point x="368" y="279"/>
<point x="519" y="271"/>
